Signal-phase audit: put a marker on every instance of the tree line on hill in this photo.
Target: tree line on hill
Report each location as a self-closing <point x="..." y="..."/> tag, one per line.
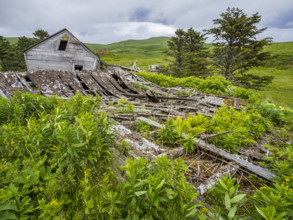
<point x="235" y="50"/>
<point x="11" y="55"/>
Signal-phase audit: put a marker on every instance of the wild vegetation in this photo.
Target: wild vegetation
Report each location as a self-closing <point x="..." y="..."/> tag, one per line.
<point x="280" y="91"/>
<point x="74" y="173"/>
<point x="79" y="172"/>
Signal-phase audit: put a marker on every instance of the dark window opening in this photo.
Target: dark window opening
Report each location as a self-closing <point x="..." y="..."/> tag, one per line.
<point x="78" y="67"/>
<point x="63" y="45"/>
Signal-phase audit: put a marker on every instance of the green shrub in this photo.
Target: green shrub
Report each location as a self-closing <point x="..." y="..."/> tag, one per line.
<point x="158" y="191"/>
<point x="212" y="84"/>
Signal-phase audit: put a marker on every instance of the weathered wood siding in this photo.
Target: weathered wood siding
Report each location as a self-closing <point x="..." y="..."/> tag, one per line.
<point x="46" y="56"/>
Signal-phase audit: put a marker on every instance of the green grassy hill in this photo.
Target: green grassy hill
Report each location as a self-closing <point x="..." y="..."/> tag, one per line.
<point x="12" y="40"/>
<point x="281" y="68"/>
<point x="146" y="52"/>
<point x="152" y="51"/>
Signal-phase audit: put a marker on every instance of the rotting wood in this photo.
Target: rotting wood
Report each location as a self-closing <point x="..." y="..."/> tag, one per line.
<point x="46" y="85"/>
<point x="88" y="82"/>
<point x="260" y="171"/>
<point x="103" y="83"/>
<point x="208" y="136"/>
<point x="6" y="88"/>
<point x="71" y="80"/>
<point x="59" y="85"/>
<point x="211" y="181"/>
<point x="13" y="81"/>
<point x="125" y="83"/>
<point x="141" y="112"/>
<point x="22" y="78"/>
<point x="111" y="79"/>
<point x="162" y="97"/>
<point x="143" y="147"/>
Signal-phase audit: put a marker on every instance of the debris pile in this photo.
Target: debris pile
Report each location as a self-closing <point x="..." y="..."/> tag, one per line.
<point x="150" y="101"/>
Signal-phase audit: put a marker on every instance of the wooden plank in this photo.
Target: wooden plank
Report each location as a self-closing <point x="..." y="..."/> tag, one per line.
<point x="126" y="83"/>
<point x="260" y="171"/>
<point x="59" y="85"/>
<point x="104" y="83"/>
<point x="13" y="82"/>
<point x="96" y="76"/>
<point x="45" y="84"/>
<point x="71" y="80"/>
<point x="24" y="82"/>
<point x="4" y="86"/>
<point x="115" y="83"/>
<point x="229" y="169"/>
<point x="90" y="82"/>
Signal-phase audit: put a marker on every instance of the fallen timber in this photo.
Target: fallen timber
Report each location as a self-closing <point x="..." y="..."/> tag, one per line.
<point x="260" y="171"/>
<point x="157" y="102"/>
<point x="111" y="85"/>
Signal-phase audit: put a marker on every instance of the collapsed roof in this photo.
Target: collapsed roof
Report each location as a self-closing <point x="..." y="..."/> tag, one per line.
<point x="160" y="103"/>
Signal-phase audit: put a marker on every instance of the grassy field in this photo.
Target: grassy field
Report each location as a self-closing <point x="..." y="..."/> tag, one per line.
<point x="12" y="40"/>
<point x="281" y="68"/>
<point x="146" y="52"/>
<point x="153" y="51"/>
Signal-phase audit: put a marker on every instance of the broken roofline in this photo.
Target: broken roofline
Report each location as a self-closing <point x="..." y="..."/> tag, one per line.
<point x="64" y="29"/>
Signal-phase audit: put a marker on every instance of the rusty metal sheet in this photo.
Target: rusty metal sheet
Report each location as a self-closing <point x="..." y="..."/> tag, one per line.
<point x="101" y="78"/>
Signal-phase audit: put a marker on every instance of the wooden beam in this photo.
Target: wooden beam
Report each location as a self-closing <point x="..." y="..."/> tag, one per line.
<point x="260" y="171"/>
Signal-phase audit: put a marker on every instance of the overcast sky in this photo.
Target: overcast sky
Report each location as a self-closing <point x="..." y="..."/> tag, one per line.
<point x="108" y="21"/>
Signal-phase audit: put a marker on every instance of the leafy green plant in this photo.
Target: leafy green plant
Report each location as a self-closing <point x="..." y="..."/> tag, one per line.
<point x="168" y="135"/>
<point x="274" y="202"/>
<point x="143" y="126"/>
<point x="140" y="86"/>
<point x="124" y="106"/>
<point x="159" y="190"/>
<point x="225" y="199"/>
<point x="212" y="84"/>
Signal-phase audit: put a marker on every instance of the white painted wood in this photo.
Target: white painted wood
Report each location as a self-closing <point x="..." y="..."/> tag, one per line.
<point x="46" y="56"/>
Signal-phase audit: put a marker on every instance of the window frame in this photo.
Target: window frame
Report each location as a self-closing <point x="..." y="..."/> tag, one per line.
<point x="58" y="48"/>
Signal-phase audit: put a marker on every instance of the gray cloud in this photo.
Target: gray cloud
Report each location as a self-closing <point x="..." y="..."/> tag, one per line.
<point x="140" y="14"/>
<point x="110" y="21"/>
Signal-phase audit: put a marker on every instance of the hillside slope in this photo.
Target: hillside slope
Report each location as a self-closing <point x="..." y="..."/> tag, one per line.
<point x="152" y="51"/>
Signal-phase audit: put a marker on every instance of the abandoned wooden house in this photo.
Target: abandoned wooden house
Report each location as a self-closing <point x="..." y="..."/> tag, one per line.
<point x="61" y="51"/>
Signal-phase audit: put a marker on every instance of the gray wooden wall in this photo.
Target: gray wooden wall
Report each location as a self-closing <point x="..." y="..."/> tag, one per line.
<point x="46" y="56"/>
